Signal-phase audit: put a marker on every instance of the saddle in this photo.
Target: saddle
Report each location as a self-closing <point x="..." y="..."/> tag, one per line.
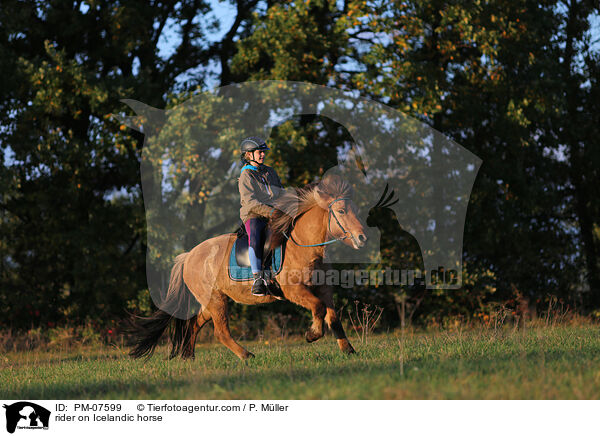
<point x="239" y="259"/>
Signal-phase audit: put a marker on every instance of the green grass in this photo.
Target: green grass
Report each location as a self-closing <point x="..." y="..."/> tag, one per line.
<point x="560" y="362"/>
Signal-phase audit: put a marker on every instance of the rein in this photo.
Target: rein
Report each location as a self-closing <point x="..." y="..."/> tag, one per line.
<point x="331" y="213"/>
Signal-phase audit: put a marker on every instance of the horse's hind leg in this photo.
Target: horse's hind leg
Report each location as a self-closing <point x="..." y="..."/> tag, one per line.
<point x="201" y="319"/>
<point x="332" y="320"/>
<point x="220" y="317"/>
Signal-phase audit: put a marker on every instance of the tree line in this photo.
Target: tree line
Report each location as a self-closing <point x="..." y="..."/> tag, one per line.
<point x="515" y="82"/>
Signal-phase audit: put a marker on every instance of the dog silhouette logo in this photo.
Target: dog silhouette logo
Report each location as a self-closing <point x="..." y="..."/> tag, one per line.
<point x="26" y="415"/>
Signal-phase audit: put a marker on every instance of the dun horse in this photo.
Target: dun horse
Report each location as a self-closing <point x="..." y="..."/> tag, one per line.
<point x="324" y="213"/>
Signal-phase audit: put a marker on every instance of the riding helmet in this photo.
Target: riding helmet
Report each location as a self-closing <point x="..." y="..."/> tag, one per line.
<point x="252" y="143"/>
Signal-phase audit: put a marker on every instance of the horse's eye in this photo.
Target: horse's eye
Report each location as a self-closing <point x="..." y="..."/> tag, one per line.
<point x="341" y="211"/>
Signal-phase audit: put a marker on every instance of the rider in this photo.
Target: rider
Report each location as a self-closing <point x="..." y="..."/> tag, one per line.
<point x="259" y="187"/>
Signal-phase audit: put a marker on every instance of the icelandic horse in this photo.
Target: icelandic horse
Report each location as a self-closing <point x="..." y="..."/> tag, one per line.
<point x="323" y="213"/>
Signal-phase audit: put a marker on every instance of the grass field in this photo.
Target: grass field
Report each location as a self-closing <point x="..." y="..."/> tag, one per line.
<point x="561" y="362"/>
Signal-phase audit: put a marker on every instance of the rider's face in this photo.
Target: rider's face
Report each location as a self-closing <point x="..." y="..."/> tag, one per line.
<point x="259" y="156"/>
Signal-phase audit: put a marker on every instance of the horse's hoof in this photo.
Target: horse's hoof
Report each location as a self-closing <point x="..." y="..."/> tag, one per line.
<point x="345" y="346"/>
<point x="312" y="336"/>
<point x="188" y="357"/>
<point x="248" y="355"/>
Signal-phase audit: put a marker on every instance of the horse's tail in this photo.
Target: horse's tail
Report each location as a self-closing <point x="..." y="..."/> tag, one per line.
<point x="146" y="331"/>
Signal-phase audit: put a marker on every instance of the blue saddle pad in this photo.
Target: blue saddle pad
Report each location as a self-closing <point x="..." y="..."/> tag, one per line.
<point x="240" y="273"/>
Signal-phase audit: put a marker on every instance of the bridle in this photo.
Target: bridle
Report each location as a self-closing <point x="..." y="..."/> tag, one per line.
<point x="329" y="215"/>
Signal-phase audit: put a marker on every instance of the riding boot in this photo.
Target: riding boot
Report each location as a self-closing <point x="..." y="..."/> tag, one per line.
<point x="272" y="285"/>
<point x="259" y="287"/>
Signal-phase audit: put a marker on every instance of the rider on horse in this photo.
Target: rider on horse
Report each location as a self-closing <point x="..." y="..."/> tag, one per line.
<point x="259" y="187"/>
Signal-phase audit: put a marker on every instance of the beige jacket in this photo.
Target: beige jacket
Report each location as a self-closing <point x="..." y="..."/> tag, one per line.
<point x="259" y="188"/>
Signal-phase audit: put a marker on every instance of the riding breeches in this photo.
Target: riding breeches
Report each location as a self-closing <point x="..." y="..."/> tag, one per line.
<point x="256" y="229"/>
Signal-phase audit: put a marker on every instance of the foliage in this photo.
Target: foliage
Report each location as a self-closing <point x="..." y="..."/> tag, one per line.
<point x="515" y="82"/>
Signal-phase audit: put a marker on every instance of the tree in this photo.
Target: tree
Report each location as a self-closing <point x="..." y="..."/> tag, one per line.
<point x="72" y="224"/>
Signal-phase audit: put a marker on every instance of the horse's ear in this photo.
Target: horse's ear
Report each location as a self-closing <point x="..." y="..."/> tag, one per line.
<point x="322" y="198"/>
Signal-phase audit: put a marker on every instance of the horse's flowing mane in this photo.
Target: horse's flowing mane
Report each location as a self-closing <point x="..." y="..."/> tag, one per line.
<point x="294" y="203"/>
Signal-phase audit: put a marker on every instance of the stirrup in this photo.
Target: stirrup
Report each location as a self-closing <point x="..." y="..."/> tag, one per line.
<point x="259" y="289"/>
<point x="272" y="286"/>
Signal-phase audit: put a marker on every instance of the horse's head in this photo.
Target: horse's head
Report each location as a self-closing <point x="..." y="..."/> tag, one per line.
<point x="335" y="196"/>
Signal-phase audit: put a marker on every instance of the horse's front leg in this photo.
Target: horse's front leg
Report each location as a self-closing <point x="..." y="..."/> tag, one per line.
<point x="325" y="293"/>
<point x="302" y="296"/>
